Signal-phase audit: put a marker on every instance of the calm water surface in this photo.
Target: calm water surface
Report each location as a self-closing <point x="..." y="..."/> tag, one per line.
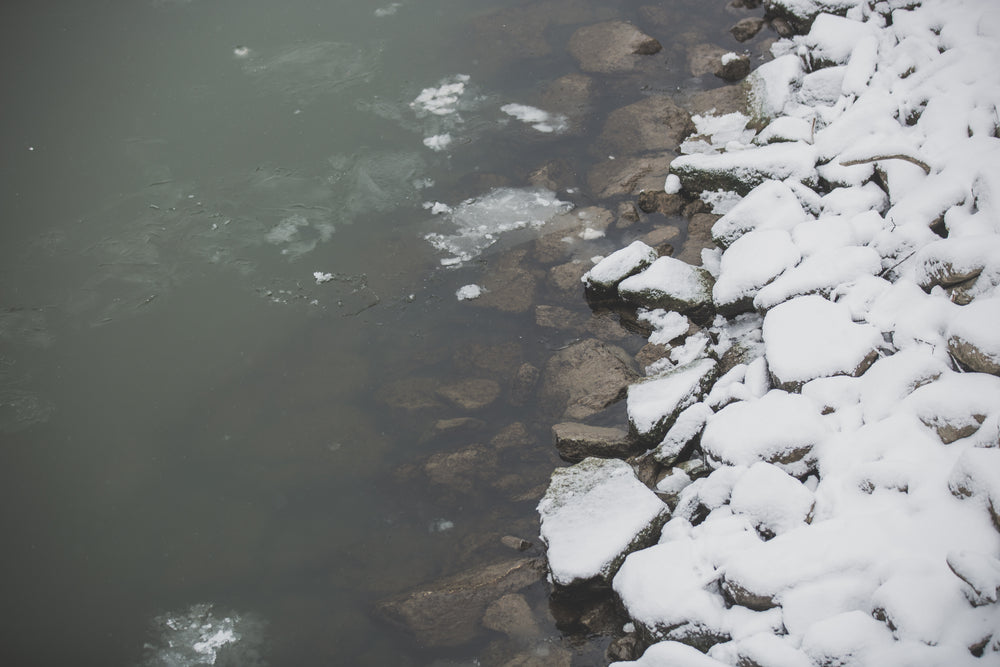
<point x="190" y="429"/>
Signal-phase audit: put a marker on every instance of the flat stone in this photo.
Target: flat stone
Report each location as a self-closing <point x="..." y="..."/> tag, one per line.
<point x="513" y="436"/>
<point x="557" y="317"/>
<point x="410" y="394"/>
<point x="567" y="278"/>
<point x="670" y="284"/>
<point x="472" y="394"/>
<point x="585" y="378"/>
<point x="654" y="123"/>
<point x="448" y="612"/>
<point x="612" y="46"/>
<point x="576" y="442"/>
<point x="705" y="58"/>
<point x="626" y="176"/>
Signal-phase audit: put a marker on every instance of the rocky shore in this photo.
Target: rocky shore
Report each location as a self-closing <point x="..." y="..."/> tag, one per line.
<point x="782" y="407"/>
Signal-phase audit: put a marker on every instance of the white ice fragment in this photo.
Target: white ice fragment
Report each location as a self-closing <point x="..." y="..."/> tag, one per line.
<point x="468" y="292"/>
<point x="443" y="99"/>
<point x="438" y="142"/>
<point x="322" y="277"/>
<point x="543" y="121"/>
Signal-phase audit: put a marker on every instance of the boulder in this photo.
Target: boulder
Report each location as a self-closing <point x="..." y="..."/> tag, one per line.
<point x="974" y="335"/>
<point x="652" y="124"/>
<point x="585" y="378"/>
<point x="670" y="284"/>
<point x="448" y="612"/>
<point x="471" y="394"/>
<point x="658" y="201"/>
<point x="771" y="205"/>
<point x="593" y="515"/>
<point x="751" y="262"/>
<point x="509" y="285"/>
<point x="654" y="405"/>
<point x="576" y="442"/>
<point x="567" y="278"/>
<point x="705" y="58"/>
<point x="612" y="46"/>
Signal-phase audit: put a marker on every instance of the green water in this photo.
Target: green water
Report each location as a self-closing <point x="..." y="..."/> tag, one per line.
<point x="187" y="416"/>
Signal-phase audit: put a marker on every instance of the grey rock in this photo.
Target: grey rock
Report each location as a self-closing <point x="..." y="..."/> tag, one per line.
<point x="515" y="543"/>
<point x="585" y="378"/>
<point x="660" y="202"/>
<point x="705" y="58"/>
<point x="510" y="287"/>
<point x="512" y="616"/>
<point x="733" y="69"/>
<point x="557" y="317"/>
<point x="448" y="612"/>
<point x="655" y="123"/>
<point x="972" y="337"/>
<point x="410" y="394"/>
<point x="566" y="278"/>
<point x="613" y="46"/>
<point x="576" y="442"/>
<point x="513" y="436"/>
<point x="617" y="177"/>
<point x="670" y="284"/>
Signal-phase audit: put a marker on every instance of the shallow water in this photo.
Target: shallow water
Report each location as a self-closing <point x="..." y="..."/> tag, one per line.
<point x="194" y="438"/>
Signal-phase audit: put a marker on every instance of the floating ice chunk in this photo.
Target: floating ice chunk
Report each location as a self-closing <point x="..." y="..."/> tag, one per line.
<point x="810" y="337"/>
<point x="468" y="292"/>
<point x="437" y="208"/>
<point x="752" y="261"/>
<point x="322" y="277"/>
<point x="619" y="265"/>
<point x="543" y="121"/>
<point x="438" y="142"/>
<point x="773" y="500"/>
<point x="197" y="635"/>
<point x="593" y="515"/>
<point x="443" y="99"/>
<point x="479" y="222"/>
<point x="780" y="428"/>
<point x="654" y="405"/>
<point x="388" y="10"/>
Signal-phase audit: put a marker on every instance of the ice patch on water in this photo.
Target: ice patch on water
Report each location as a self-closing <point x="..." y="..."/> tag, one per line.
<point x="298" y="235"/>
<point x="543" y="121"/>
<point x="479" y="222"/>
<point x="388" y="10"/>
<point x="438" y="142"/>
<point x="467" y="292"/>
<point x="200" y="636"/>
<point x="436" y="207"/>
<point x="443" y="99"/>
<point x="306" y="71"/>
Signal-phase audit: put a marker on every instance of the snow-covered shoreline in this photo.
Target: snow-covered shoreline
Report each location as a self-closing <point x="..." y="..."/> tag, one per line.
<point x="840" y="416"/>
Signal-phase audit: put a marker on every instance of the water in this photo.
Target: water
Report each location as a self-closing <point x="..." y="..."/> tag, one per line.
<point x="197" y="458"/>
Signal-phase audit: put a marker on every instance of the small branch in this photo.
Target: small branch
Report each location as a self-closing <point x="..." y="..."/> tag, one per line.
<point x="876" y="158"/>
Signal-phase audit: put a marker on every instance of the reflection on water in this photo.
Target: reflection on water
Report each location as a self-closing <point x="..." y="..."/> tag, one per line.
<point x="234" y="379"/>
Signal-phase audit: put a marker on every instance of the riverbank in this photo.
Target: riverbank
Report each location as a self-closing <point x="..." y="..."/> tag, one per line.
<point x="815" y="480"/>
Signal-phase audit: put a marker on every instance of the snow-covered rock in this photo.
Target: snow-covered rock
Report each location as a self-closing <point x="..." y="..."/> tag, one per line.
<point x="743" y="170"/>
<point x="752" y="261"/>
<point x="593" y="515"/>
<point x="619" y="265"/>
<point x="670" y="284"/>
<point x="773" y="500"/>
<point x="821" y="273"/>
<point x="770" y="205"/>
<point x="974" y="335"/>
<point x="810" y="337"/>
<point x="655" y="404"/>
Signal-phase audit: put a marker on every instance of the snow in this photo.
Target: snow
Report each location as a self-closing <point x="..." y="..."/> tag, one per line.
<point x="592" y="514"/>
<point x="619" y="265"/>
<point x="852" y="423"/>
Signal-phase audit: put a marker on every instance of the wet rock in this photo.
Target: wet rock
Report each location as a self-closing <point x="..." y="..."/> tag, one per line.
<point x="733" y="67"/>
<point x="650" y="353"/>
<point x="555" y="175"/>
<point x="567" y="278"/>
<point x="742" y="171"/>
<point x="705" y="59"/>
<point x="454" y="427"/>
<point x="699" y="237"/>
<point x="569" y="95"/>
<point x="613" y="46"/>
<point x="543" y="655"/>
<point x="515" y="543"/>
<point x="660" y="239"/>
<point x="660" y="202"/>
<point x="606" y="326"/>
<point x="782" y="27"/>
<point x="512" y="436"/>
<point x="746" y="29"/>
<point x="472" y="394"/>
<point x="719" y="101"/>
<point x="557" y="317"/>
<point x="463" y="470"/>
<point x="571" y="230"/>
<point x="695" y="207"/>
<point x="624" y="648"/>
<point x="974" y="338"/>
<point x="410" y="394"/>
<point x="448" y="612"/>
<point x="627" y="215"/>
<point x="593" y="515"/>
<point x="585" y="378"/>
<point x="670" y="284"/>
<point x="617" y="177"/>
<point x="512" y="616"/>
<point x="655" y="123"/>
<point x="523" y="384"/>
<point x="576" y="442"/>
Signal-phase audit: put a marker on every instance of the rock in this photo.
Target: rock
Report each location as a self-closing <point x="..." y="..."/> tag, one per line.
<point x="567" y="278"/>
<point x="936" y="404"/>
<point x="718" y="101"/>
<point x="771" y="87"/>
<point x="447" y="612"/>
<point x="751" y="262"/>
<point x="705" y="58"/>
<point x="497" y="360"/>
<point x="810" y="337"/>
<point x="585" y="378"/>
<point x="557" y="317"/>
<point x="619" y="265"/>
<point x="659" y="239"/>
<point x="670" y="284"/>
<point x="570" y="230"/>
<point x="472" y="394"/>
<point x="510" y="287"/>
<point x="576" y="442"/>
<point x="686" y="429"/>
<point x="627" y="215"/>
<point x="569" y="95"/>
<point x="980" y="571"/>
<point x="771" y="205"/>
<point x="699" y="237"/>
<point x="782" y="27"/>
<point x="617" y="177"/>
<point x="746" y="29"/>
<point x="773" y="500"/>
<point x="512" y="616"/>
<point x="651" y="352"/>
<point x="593" y="515"/>
<point x="613" y="46"/>
<point x="543" y="655"/>
<point x="410" y="394"/>
<point x="606" y="325"/>
<point x="651" y="124"/>
<point x="554" y="175"/>
<point x="453" y="427"/>
<point x="515" y="543"/>
<point x="463" y="470"/>
<point x="522" y="386"/>
<point x="742" y="171"/>
<point x="733" y="67"/>
<point x="974" y="335"/>
<point x="660" y="202"/>
<point x="655" y="404"/>
<point x="513" y="436"/>
<point x="624" y="648"/>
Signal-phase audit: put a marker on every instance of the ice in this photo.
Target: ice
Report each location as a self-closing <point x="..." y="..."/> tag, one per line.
<point x="200" y="634"/>
<point x="543" y="121"/>
<point x="810" y="337"/>
<point x="479" y="222"/>
<point x="322" y="277"/>
<point x="438" y="142"/>
<point x="468" y="292"/>
<point x="388" y="10"/>
<point x="593" y="514"/>
<point x="443" y="99"/>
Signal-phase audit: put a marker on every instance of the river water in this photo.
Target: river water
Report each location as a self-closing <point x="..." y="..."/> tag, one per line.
<point x="213" y="262"/>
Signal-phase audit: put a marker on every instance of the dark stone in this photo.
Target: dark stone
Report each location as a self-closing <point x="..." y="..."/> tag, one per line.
<point x="515" y="543"/>
<point x="448" y="612"/>
<point x="576" y="442"/>
<point x="613" y="178"/>
<point x="472" y="394"/>
<point x="699" y="238"/>
<point x="613" y="46"/>
<point x="655" y="123"/>
<point x="746" y="29"/>
<point x="512" y="616"/>
<point x="522" y="386"/>
<point x="410" y="394"/>
<point x="660" y="202"/>
<point x="733" y="69"/>
<point x="463" y="470"/>
<point x="515" y="435"/>
<point x="585" y="378"/>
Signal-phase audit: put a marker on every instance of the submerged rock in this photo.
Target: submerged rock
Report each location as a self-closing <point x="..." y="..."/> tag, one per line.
<point x="653" y="124"/>
<point x="448" y="612"/>
<point x="471" y="394"/>
<point x="585" y="378"/>
<point x="613" y="46"/>
<point x="593" y="515"/>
